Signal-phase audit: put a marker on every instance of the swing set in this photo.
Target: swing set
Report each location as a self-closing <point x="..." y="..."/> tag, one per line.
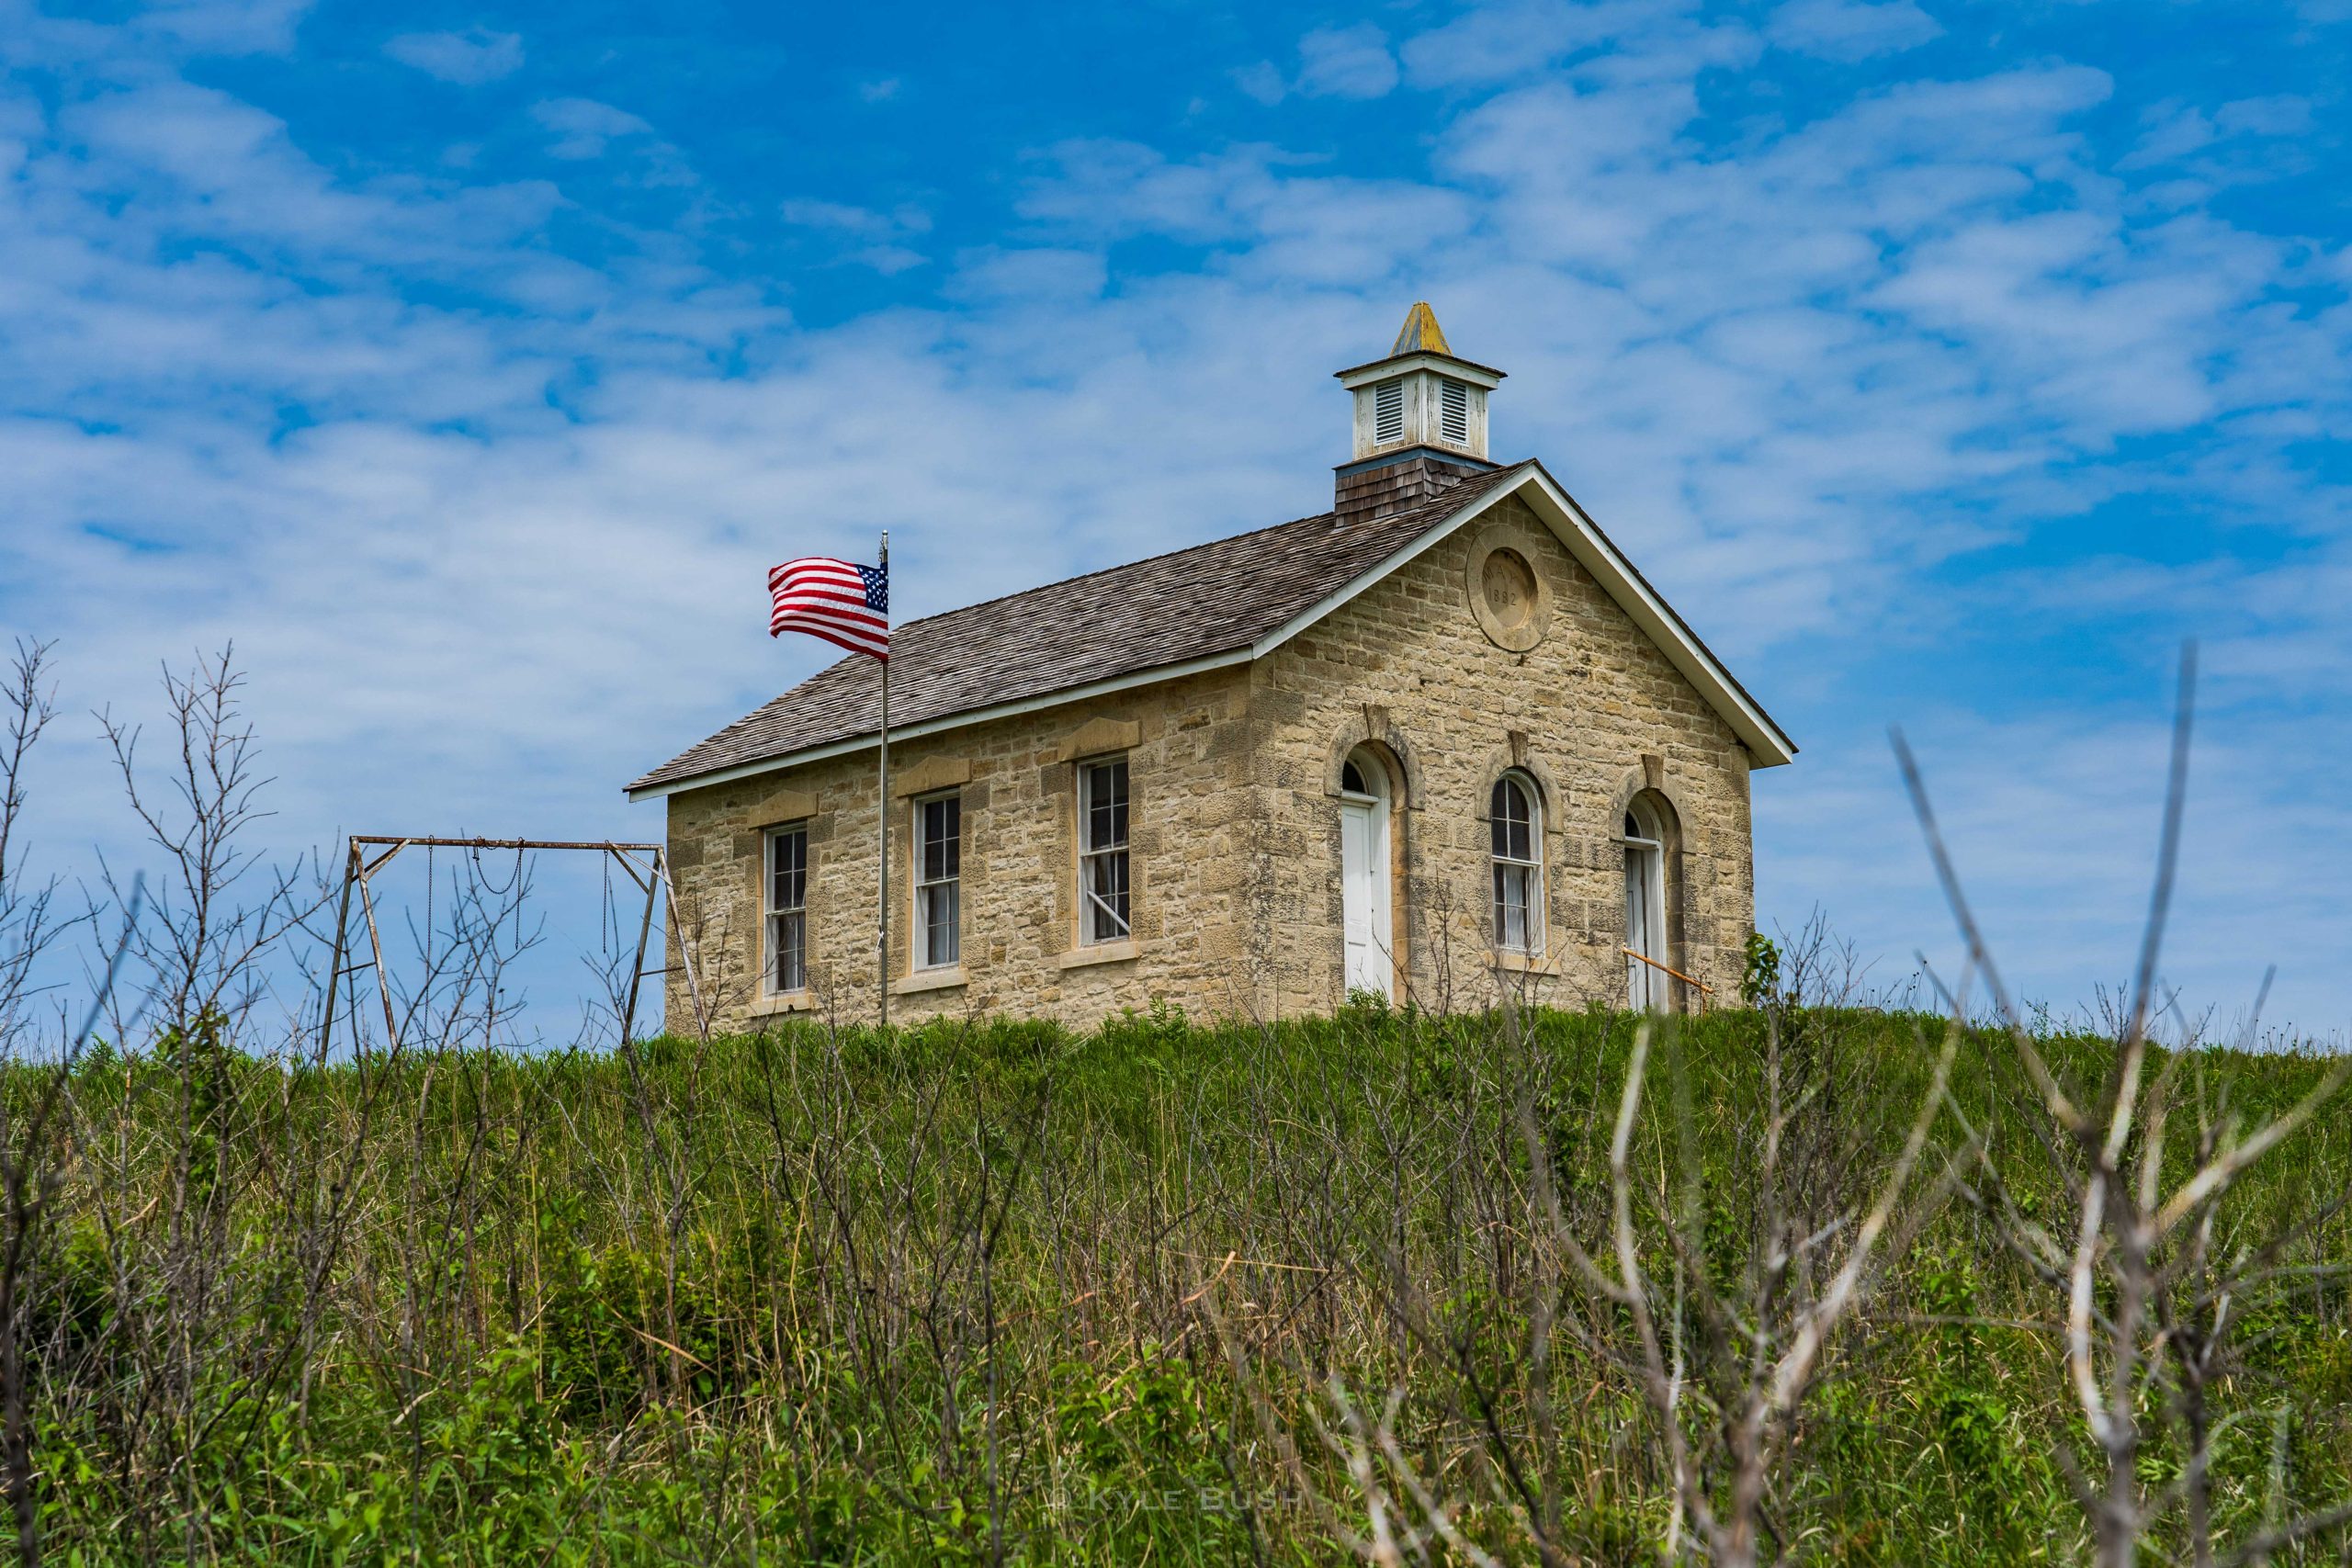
<point x="368" y="854"/>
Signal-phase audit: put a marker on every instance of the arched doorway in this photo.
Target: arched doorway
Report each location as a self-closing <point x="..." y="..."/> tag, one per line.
<point x="1367" y="906"/>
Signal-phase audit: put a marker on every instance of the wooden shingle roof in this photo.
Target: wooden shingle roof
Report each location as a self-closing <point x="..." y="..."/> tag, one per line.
<point x="1167" y="611"/>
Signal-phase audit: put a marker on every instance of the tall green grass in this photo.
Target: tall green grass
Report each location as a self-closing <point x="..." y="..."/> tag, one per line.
<point x="994" y="1291"/>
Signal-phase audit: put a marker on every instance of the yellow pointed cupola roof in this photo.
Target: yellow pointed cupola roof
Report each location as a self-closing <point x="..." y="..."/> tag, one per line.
<point x="1420" y="338"/>
<point x="1421" y="334"/>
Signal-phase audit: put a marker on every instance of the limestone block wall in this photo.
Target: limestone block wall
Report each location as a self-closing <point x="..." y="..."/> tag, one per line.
<point x="1190" y="761"/>
<point x="1590" y="709"/>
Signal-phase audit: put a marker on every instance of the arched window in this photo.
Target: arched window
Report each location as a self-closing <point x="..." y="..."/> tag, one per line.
<point x="1645" y="984"/>
<point x="1517" y="827"/>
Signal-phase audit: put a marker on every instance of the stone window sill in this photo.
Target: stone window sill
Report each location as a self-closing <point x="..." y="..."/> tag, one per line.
<point x="783" y="1002"/>
<point x="1101" y="952"/>
<point x="928" y="981"/>
<point x="1524" y="964"/>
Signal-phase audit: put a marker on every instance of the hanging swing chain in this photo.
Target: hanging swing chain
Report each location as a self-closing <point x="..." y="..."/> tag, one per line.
<point x="491" y="889"/>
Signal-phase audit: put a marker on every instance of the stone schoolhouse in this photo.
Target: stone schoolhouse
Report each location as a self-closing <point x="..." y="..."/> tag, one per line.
<point x="1439" y="739"/>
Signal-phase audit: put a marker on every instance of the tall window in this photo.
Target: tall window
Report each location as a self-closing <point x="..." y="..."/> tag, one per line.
<point x="1518" y="846"/>
<point x="787" y="910"/>
<point x="939" y="870"/>
<point x="1102" y="853"/>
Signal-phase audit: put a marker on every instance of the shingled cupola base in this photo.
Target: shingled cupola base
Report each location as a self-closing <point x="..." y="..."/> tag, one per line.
<point x="1399" y="482"/>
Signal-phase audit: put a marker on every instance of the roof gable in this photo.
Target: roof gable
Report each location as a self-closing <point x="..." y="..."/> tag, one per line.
<point x="1533" y="485"/>
<point x="1223" y="603"/>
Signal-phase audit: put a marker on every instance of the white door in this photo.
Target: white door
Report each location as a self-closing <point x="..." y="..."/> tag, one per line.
<point x="1363" y="895"/>
<point x="1644" y="923"/>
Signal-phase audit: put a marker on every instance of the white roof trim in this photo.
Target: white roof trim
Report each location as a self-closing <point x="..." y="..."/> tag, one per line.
<point x="1576" y="531"/>
<point x="1583" y="539"/>
<point x="1420" y="359"/>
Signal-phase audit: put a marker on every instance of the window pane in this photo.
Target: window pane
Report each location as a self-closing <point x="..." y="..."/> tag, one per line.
<point x="1512" y="821"/>
<point x="941" y="856"/>
<point x="1511" y="907"/>
<point x="939" y="925"/>
<point x="1103" y="894"/>
<point x="1105" y="825"/>
<point x="788" y="862"/>
<point x="788" y="948"/>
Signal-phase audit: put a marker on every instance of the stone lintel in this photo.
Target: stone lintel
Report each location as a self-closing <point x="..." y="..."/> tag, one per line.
<point x="1097" y="736"/>
<point x="931" y="773"/>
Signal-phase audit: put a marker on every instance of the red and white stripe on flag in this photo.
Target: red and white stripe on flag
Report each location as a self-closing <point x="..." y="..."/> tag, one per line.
<point x="840" y="600"/>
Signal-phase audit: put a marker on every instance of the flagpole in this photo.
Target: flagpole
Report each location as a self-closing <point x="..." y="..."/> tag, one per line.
<point x="882" y="815"/>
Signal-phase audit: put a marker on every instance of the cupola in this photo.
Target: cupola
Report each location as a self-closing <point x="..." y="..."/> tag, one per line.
<point x="1421" y="420"/>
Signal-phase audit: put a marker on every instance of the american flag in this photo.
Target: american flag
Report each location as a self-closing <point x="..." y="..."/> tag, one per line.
<point x="837" y="600"/>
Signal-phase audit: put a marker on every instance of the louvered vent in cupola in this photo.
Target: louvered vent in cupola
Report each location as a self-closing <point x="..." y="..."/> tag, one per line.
<point x="1388" y="412"/>
<point x="1453" y="413"/>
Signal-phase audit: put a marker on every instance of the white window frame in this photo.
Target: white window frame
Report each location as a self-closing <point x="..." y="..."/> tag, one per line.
<point x="1110" y="858"/>
<point x="775" y="913"/>
<point x="929" y="888"/>
<point x="1526" y="870"/>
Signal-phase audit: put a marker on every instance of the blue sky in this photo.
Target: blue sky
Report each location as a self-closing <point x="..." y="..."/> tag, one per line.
<point x="1946" y="364"/>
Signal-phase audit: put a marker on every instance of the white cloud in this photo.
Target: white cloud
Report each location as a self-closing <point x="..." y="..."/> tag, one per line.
<point x="584" y="127"/>
<point x="1851" y="29"/>
<point x="226" y="27"/>
<point x="1333" y="63"/>
<point x="2177" y="131"/>
<point x="869" y="238"/>
<point x="1619" y="39"/>
<point x="469" y="59"/>
<point x="2281" y="114"/>
<point x="1287" y="224"/>
<point x="1346" y="62"/>
<point x="1262" y="81"/>
<point x="1029" y="272"/>
<point x="863" y="222"/>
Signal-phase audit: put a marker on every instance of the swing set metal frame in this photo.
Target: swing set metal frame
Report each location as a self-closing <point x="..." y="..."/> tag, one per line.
<point x="360" y="867"/>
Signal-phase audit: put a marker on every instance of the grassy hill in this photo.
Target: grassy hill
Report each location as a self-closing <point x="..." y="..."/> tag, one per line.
<point x="1161" y="1292"/>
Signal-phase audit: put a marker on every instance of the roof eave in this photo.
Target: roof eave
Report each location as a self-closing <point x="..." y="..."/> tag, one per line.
<point x="651" y="788"/>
